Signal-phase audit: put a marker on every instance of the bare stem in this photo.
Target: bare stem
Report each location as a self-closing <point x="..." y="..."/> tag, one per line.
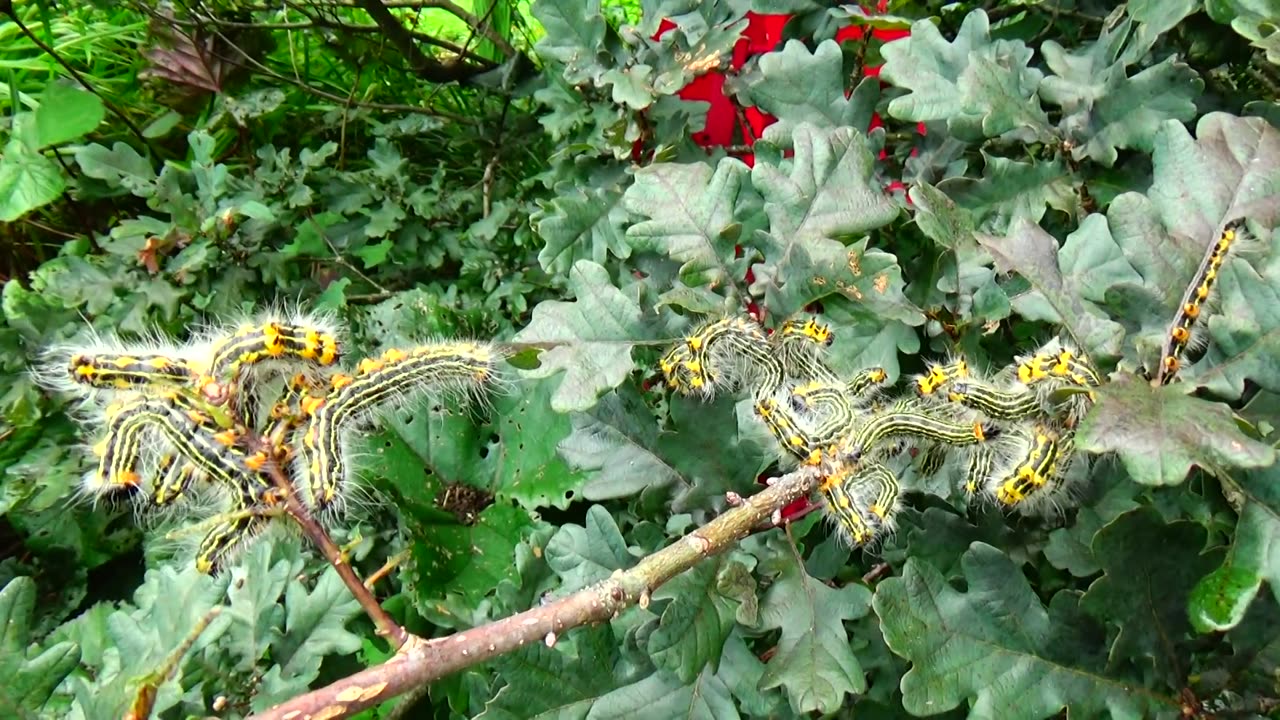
<point x="422" y="661"/>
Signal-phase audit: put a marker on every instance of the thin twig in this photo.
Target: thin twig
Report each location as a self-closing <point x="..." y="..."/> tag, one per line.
<point x="392" y="563"/>
<point x="421" y="661"/>
<point x="386" y="627"/>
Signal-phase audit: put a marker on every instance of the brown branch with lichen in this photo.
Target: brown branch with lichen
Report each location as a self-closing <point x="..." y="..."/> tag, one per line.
<point x="422" y="661"/>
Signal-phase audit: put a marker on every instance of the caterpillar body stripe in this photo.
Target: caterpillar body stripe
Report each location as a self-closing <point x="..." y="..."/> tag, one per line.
<point x="126" y="371"/>
<point x="244" y="522"/>
<point x="1181" y="333"/>
<point x="932" y="460"/>
<point x="188" y="450"/>
<point x="831" y="403"/>
<point x="784" y="428"/>
<point x="174" y="479"/>
<point x="732" y="352"/>
<point x="915" y="424"/>
<point x="1065" y="366"/>
<point x="864" y="382"/>
<point x="396" y="375"/>
<point x="254" y="344"/>
<point x="982" y="462"/>
<point x="862" y="504"/>
<point x="995" y="404"/>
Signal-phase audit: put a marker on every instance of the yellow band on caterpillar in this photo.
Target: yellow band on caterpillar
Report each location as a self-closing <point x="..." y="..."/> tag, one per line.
<point x="1035" y="471"/>
<point x="395" y="375"/>
<point x="731" y="352"/>
<point x="228" y="535"/>
<point x="864" y="381"/>
<point x="937" y="376"/>
<point x="784" y="428"/>
<point x="915" y="424"/>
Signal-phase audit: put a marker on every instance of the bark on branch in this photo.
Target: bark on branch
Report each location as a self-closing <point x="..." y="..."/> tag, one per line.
<point x="426" y="67"/>
<point x="422" y="661"/>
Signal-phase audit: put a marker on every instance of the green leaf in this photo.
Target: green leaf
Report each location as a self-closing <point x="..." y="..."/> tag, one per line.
<point x="797" y="86"/>
<point x="254" y="614"/>
<point x="314" y="627"/>
<point x="1063" y="280"/>
<point x="1221" y="598"/>
<point x="1104" y="109"/>
<point x="543" y="682"/>
<point x="996" y="646"/>
<point x="375" y="254"/>
<point x="592" y="337"/>
<point x="120" y="165"/>
<point x="309" y="236"/>
<point x="575" y="33"/>
<point x="334" y="296"/>
<point x="691" y="216"/>
<point x="1071" y="548"/>
<point x="581" y="223"/>
<point x="29" y="678"/>
<point x="66" y="113"/>
<point x="1009" y="191"/>
<point x="814" y="662"/>
<point x="468" y="561"/>
<point x="981" y="88"/>
<point x="1159" y="433"/>
<point x="662" y="695"/>
<point x="585" y="555"/>
<point x="617" y="444"/>
<point x="824" y="193"/>
<point x="632" y="86"/>
<point x="28" y="180"/>
<point x="1145" y="593"/>
<point x="694" y="623"/>
<point x="940" y="218"/>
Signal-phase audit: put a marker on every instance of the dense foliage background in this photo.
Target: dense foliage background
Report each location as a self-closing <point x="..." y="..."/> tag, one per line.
<point x="932" y="178"/>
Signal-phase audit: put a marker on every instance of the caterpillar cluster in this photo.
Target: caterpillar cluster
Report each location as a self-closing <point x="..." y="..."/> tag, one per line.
<point x="179" y="425"/>
<point x="1012" y="433"/>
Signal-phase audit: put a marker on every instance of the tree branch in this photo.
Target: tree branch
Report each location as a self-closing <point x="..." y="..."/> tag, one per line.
<point x="422" y="661"/>
<point x="426" y="67"/>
